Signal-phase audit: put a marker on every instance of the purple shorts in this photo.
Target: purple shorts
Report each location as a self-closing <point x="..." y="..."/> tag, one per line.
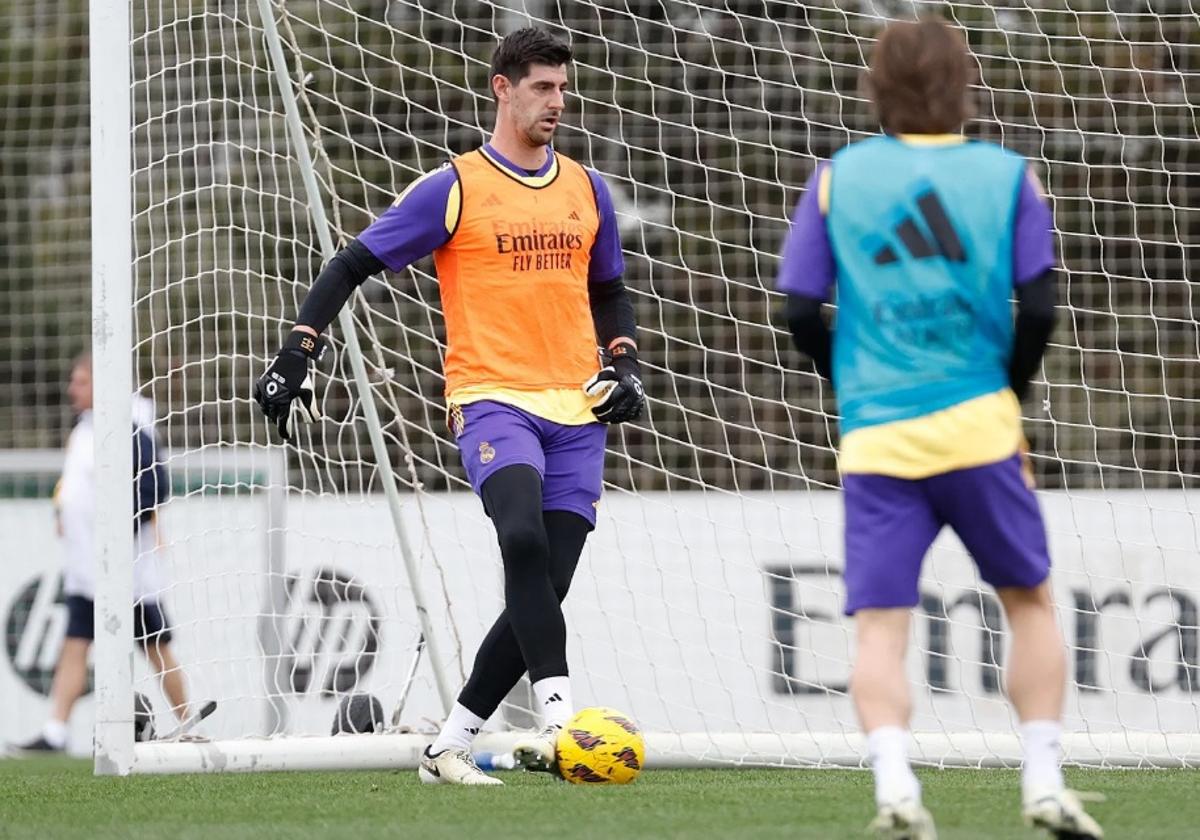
<point x="570" y="459"/>
<point x="891" y="522"/>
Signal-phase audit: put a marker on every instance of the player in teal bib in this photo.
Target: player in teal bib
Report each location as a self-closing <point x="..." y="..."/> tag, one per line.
<point x="924" y="320"/>
<point x="925" y="238"/>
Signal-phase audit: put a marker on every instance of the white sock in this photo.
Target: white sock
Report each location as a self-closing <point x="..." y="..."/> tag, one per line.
<point x="1041" y="741"/>
<point x="459" y="730"/>
<point x="887" y="747"/>
<point x="553" y="696"/>
<point x="55" y="733"/>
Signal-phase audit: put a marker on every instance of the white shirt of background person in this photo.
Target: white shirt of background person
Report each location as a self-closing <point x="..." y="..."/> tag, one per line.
<point x="75" y="502"/>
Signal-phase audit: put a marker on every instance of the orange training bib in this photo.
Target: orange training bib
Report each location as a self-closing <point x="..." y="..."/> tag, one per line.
<point x="514" y="278"/>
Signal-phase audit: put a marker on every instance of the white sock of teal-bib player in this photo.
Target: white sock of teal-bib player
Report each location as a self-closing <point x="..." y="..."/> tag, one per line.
<point x="1041" y="741"/>
<point x="887" y="747"/>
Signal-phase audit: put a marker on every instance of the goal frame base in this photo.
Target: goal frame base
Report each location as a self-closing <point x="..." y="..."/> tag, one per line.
<point x="669" y="750"/>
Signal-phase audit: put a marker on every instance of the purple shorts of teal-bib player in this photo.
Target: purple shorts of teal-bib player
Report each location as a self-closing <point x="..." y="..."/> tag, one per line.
<point x="892" y="522"/>
<point x="570" y="459"/>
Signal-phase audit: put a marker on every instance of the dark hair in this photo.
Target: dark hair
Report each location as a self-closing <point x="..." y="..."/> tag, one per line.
<point x="919" y="79"/>
<point x="524" y="47"/>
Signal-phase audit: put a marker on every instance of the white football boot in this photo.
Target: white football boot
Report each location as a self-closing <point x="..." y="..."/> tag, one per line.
<point x="903" y="820"/>
<point x="452" y="767"/>
<point x="1061" y="813"/>
<point x="539" y="752"/>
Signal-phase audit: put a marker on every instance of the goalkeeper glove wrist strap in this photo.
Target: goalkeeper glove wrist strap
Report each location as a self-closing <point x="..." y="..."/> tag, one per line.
<point x="312" y="347"/>
<point x="624" y="358"/>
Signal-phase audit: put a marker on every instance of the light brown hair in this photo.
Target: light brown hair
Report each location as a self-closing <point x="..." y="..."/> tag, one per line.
<point x="919" y="79"/>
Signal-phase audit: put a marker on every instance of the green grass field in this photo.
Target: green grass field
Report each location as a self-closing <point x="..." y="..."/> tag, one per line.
<point x="59" y="798"/>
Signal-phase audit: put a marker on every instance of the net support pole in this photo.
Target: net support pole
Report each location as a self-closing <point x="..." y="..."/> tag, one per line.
<point x="271" y="624"/>
<point x="346" y="323"/>
<point x="112" y="382"/>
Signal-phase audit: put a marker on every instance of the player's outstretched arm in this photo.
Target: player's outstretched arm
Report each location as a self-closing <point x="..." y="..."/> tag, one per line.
<point x="415" y="225"/>
<point x="285" y="391"/>
<point x="619" y="382"/>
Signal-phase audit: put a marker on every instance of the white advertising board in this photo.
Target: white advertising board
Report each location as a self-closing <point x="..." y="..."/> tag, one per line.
<point x="693" y="611"/>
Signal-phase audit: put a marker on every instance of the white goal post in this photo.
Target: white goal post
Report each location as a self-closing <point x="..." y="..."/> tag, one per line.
<point x="236" y="146"/>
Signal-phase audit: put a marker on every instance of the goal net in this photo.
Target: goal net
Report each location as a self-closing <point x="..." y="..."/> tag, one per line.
<point x="708" y="600"/>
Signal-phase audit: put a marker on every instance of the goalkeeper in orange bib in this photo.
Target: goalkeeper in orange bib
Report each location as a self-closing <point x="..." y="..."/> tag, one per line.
<point x="529" y="265"/>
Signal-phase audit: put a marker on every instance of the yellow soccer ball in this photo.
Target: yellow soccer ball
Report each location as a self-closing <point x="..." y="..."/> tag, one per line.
<point x="601" y="746"/>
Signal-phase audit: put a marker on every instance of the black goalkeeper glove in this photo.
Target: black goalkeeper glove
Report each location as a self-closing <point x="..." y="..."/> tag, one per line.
<point x="619" y="386"/>
<point x="286" y="389"/>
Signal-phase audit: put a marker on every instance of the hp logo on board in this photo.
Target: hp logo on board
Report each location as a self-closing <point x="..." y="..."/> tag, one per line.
<point x="333" y="630"/>
<point x="34" y="626"/>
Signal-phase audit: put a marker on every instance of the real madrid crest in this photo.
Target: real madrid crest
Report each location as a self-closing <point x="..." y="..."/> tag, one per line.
<point x="486" y="453"/>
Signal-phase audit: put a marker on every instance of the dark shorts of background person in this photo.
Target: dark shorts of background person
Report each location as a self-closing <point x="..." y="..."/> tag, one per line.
<point x="150" y="626"/>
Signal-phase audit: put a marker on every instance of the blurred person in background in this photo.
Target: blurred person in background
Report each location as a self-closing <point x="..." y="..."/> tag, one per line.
<point x="74" y="505"/>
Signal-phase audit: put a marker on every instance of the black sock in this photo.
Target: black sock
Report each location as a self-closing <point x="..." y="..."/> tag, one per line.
<point x="499" y="663"/>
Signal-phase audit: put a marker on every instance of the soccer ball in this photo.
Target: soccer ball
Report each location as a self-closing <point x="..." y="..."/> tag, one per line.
<point x="600" y="746"/>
